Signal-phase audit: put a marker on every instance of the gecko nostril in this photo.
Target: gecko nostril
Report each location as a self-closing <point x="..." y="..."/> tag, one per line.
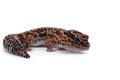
<point x="83" y="36"/>
<point x="87" y="36"/>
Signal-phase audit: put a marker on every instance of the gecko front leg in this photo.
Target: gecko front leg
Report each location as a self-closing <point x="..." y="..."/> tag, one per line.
<point x="49" y="43"/>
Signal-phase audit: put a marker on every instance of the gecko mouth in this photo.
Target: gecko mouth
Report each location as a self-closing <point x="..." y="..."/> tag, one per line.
<point x="78" y="49"/>
<point x="85" y="46"/>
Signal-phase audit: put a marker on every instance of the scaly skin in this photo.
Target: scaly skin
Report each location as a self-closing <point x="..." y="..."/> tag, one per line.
<point x="50" y="37"/>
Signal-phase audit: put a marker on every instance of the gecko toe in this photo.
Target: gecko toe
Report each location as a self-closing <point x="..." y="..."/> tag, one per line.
<point x="50" y="50"/>
<point x="28" y="49"/>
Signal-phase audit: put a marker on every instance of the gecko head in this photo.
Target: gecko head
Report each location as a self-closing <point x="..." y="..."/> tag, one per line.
<point x="77" y="41"/>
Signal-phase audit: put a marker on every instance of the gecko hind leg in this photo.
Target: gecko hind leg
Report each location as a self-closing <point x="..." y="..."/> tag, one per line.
<point x="28" y="43"/>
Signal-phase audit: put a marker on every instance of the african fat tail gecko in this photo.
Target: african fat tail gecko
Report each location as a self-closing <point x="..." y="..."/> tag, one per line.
<point x="50" y="37"/>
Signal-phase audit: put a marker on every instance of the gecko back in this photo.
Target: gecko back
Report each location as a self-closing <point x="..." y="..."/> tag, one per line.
<point x="14" y="46"/>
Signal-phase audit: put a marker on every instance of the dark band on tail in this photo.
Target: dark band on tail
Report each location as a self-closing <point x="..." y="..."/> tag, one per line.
<point x="14" y="46"/>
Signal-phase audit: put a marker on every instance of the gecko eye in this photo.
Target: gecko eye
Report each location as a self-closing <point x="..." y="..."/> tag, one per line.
<point x="77" y="40"/>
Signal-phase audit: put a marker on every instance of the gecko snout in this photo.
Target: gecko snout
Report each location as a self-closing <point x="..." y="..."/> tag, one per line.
<point x="88" y="44"/>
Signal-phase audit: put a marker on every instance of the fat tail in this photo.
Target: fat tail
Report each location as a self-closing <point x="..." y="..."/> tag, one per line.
<point x="14" y="46"/>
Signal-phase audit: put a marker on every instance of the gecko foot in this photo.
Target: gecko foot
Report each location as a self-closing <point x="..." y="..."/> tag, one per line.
<point x="28" y="49"/>
<point x="50" y="50"/>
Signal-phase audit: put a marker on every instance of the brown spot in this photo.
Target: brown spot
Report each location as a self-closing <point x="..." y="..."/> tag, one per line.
<point x="58" y="32"/>
<point x="42" y="33"/>
<point x="63" y="43"/>
<point x="65" y="33"/>
<point x="35" y="35"/>
<point x="49" y="36"/>
<point x="71" y="35"/>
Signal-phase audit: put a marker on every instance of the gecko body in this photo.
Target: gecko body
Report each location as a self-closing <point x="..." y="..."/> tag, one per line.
<point x="50" y="37"/>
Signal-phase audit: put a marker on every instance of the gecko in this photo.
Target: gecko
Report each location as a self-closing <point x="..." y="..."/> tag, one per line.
<point x="50" y="37"/>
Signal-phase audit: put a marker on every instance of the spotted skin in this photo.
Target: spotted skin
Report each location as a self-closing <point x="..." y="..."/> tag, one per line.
<point x="50" y="37"/>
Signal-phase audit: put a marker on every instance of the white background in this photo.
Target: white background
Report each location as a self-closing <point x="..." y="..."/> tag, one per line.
<point x="100" y="19"/>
